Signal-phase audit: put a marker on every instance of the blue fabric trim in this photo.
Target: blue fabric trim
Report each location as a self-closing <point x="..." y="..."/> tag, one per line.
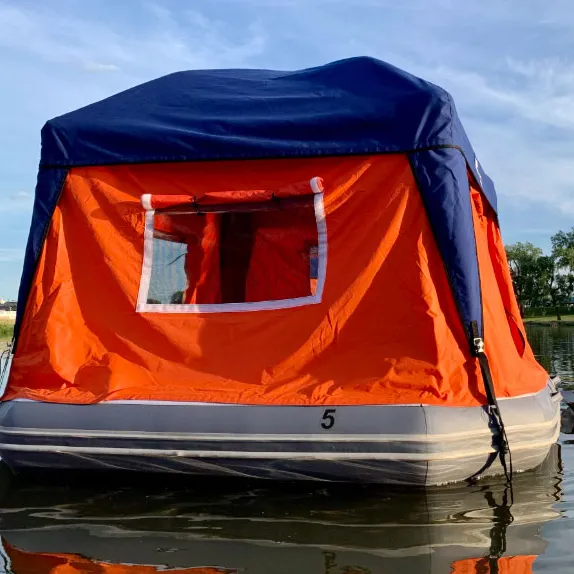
<point x="443" y="183"/>
<point x="463" y="143"/>
<point x="48" y="188"/>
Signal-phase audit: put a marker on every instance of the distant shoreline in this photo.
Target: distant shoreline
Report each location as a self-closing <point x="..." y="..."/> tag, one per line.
<point x="551" y="319"/>
<point x="549" y="322"/>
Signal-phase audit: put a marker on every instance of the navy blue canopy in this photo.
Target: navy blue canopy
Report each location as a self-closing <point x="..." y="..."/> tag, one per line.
<point x="354" y="106"/>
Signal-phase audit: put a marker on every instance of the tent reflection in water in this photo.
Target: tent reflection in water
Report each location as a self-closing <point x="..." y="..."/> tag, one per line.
<point x="257" y="528"/>
<point x="273" y="274"/>
<point x="44" y="563"/>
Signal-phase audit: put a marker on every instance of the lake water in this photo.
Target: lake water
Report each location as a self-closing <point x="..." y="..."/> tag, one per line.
<point x="102" y="524"/>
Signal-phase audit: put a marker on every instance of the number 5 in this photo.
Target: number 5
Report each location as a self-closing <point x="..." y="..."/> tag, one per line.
<point x="328" y="419"/>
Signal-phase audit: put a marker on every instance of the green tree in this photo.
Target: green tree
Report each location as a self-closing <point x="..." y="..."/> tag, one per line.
<point x="530" y="285"/>
<point x="563" y="249"/>
<point x="557" y="284"/>
<point x="562" y="286"/>
<point x="539" y="279"/>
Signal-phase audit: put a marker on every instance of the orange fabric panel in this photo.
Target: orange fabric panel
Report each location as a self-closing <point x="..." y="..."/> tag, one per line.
<point x="514" y="368"/>
<point x="505" y="565"/>
<point x="386" y="332"/>
<point x="279" y="265"/>
<point x="178" y="227"/>
<point x="202" y="265"/>
<point x="43" y="563"/>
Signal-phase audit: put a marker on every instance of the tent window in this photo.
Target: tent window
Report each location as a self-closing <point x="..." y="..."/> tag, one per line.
<point x="255" y="254"/>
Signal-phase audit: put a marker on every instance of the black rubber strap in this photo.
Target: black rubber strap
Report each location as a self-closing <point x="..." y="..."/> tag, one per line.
<point x="502" y="440"/>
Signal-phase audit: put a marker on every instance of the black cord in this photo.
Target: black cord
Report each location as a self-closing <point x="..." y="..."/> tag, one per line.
<point x="493" y="407"/>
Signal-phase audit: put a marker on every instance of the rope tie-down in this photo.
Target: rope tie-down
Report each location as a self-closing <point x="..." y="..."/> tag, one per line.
<point x="493" y="409"/>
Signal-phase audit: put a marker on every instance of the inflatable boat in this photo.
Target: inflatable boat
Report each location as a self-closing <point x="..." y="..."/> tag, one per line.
<point x="271" y="274"/>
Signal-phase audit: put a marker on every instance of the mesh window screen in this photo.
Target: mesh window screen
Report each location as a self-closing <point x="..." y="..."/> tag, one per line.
<point x="168" y="280"/>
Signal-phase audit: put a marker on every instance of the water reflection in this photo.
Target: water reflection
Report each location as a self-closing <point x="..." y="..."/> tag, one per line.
<point x="554" y="349"/>
<point x="98" y="526"/>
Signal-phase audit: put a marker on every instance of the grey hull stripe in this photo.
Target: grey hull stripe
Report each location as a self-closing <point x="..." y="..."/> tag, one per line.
<point x="227" y="437"/>
<point x="426" y="456"/>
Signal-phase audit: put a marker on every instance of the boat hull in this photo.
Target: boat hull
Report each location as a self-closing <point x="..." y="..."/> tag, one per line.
<point x="394" y="444"/>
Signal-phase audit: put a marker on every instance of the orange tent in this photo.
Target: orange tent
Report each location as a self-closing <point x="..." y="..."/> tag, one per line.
<point x="386" y="330"/>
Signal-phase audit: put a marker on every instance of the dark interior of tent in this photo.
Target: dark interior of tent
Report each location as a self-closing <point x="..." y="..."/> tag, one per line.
<point x="234" y="253"/>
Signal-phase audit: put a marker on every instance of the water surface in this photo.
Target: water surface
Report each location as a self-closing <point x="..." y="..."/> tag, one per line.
<point x="98" y="524"/>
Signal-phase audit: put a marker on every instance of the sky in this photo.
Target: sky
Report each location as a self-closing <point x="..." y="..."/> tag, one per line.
<point x="509" y="66"/>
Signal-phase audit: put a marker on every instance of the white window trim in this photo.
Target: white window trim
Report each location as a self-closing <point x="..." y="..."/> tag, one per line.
<point x="144" y="307"/>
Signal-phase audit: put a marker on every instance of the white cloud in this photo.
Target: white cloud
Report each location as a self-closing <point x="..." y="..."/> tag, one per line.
<point x="17" y="202"/>
<point x="100" y="67"/>
<point x="521" y="166"/>
<point x="169" y="43"/>
<point x="8" y="255"/>
<point x="539" y="91"/>
<point x="21" y="196"/>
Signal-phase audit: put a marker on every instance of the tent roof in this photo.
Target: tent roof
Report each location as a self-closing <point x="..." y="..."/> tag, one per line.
<point x="355" y="106"/>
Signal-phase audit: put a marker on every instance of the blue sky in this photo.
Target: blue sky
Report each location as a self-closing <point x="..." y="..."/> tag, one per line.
<point x="509" y="66"/>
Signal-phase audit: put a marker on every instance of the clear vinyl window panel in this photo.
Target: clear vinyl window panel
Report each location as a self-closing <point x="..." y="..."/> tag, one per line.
<point x="234" y="257"/>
